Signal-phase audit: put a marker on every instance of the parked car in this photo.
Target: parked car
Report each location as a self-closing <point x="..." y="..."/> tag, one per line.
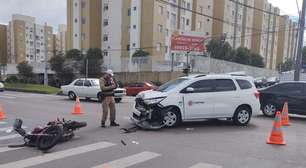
<point x="1" y="87"/>
<point x="89" y="88"/>
<point x="196" y="98"/>
<point x="273" y="98"/>
<point x="135" y="88"/>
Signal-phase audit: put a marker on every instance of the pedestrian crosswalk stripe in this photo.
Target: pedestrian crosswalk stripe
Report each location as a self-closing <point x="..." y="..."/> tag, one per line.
<point x="6" y="149"/>
<point x="2" y="122"/>
<point x="130" y="160"/>
<point x="56" y="155"/>
<point x="205" y="165"/>
<point x="9" y="137"/>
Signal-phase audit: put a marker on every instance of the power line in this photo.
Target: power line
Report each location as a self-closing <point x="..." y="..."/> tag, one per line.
<point x="253" y="7"/>
<point x="208" y="16"/>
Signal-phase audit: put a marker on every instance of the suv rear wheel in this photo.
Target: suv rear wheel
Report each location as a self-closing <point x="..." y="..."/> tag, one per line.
<point x="242" y="116"/>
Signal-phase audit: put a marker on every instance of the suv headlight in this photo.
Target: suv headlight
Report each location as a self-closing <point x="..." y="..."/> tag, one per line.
<point x="154" y="100"/>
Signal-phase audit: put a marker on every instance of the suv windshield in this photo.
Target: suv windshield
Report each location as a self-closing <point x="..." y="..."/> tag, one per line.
<point x="170" y="85"/>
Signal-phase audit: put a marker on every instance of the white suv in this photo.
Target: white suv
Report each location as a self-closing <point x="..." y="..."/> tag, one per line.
<point x="196" y="98"/>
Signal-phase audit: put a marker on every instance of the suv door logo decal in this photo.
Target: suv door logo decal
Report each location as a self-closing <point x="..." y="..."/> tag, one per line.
<point x="191" y="103"/>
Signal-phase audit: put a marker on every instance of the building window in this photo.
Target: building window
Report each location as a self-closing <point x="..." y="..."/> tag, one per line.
<point x="75" y="4"/>
<point x="105" y="22"/>
<point x="201" y="9"/>
<point x="129" y="12"/>
<point x="83" y="36"/>
<point x="128" y="47"/>
<point x="208" y="6"/>
<point x="167" y="32"/>
<point x="208" y="20"/>
<point x="188" y="6"/>
<point x="161" y="10"/>
<point x="173" y="19"/>
<point x="83" y="4"/>
<point x="105" y="7"/>
<point x="199" y="25"/>
<point x="135" y="8"/>
<point x="187" y="22"/>
<point x="105" y="53"/>
<point x="134" y="26"/>
<point x="83" y="20"/>
<point x="105" y="37"/>
<point x="134" y="44"/>
<point x="160" y="28"/>
<point x="75" y="20"/>
<point x="37" y="51"/>
<point x="168" y="14"/>
<point x="207" y="33"/>
<point x="75" y="35"/>
<point x="158" y="46"/>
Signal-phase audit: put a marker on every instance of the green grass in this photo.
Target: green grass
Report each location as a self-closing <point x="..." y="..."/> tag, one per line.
<point x="31" y="88"/>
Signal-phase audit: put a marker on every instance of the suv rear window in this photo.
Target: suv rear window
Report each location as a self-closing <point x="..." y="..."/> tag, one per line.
<point x="224" y="85"/>
<point x="244" y="84"/>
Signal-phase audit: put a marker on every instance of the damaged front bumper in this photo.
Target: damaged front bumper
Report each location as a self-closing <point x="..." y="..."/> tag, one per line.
<point x="148" y="116"/>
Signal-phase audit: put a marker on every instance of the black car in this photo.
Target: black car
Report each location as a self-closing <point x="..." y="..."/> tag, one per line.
<point x="273" y="98"/>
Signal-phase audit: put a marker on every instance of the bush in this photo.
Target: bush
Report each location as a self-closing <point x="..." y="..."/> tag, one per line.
<point x="12" y="79"/>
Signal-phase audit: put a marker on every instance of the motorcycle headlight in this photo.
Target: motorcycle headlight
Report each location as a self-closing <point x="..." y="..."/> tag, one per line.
<point x="154" y="100"/>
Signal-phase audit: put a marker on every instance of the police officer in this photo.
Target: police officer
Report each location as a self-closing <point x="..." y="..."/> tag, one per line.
<point x="108" y="84"/>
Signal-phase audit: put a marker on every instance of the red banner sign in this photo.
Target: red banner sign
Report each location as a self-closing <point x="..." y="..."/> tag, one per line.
<point x="187" y="43"/>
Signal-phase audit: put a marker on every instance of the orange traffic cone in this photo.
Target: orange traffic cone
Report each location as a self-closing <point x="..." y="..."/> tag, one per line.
<point x="276" y="136"/>
<point x="285" y="115"/>
<point x="2" y="114"/>
<point x="77" y="107"/>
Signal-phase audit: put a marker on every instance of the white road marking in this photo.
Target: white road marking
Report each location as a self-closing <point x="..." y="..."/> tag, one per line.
<point x="9" y="128"/>
<point x="8" y="97"/>
<point x="6" y="149"/>
<point x="130" y="160"/>
<point x="205" y="165"/>
<point x="9" y="137"/>
<point x="2" y="122"/>
<point x="56" y="155"/>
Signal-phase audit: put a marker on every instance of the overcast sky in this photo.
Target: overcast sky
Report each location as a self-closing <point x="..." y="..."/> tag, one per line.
<point x="54" y="11"/>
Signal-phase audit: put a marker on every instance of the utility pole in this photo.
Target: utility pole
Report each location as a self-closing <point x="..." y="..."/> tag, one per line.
<point x="46" y="57"/>
<point x="235" y="26"/>
<point x="300" y="46"/>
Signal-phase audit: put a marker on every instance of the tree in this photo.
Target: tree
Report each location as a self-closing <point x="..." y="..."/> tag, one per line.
<point x="256" y="60"/>
<point x="140" y="53"/>
<point x="94" y="57"/>
<point x="63" y="73"/>
<point x="220" y="50"/>
<point x="25" y="72"/>
<point x="242" y="56"/>
<point x="74" y="54"/>
<point x="286" y="66"/>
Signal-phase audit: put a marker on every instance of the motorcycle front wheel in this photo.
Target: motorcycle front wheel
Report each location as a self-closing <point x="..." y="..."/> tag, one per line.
<point x="49" y="138"/>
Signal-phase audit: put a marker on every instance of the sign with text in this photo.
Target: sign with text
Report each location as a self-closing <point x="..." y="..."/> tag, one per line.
<point x="188" y="43"/>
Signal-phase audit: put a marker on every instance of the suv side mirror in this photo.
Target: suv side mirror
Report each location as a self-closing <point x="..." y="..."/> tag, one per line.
<point x="189" y="90"/>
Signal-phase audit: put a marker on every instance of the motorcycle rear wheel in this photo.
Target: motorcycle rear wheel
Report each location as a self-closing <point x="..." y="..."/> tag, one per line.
<point x="51" y="136"/>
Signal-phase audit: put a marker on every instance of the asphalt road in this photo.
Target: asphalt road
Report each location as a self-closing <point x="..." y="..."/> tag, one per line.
<point x="209" y="144"/>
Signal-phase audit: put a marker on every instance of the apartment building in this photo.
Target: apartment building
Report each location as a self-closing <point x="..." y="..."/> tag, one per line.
<point x="61" y="39"/>
<point x="84" y="24"/>
<point x="247" y="23"/>
<point x="3" y="44"/>
<point x="229" y="13"/>
<point x="287" y="35"/>
<point x="28" y="41"/>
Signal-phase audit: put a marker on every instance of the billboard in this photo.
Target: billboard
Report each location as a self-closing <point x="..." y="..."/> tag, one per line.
<point x="188" y="43"/>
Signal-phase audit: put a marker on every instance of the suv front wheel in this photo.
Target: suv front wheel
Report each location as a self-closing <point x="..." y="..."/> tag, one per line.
<point x="171" y="118"/>
<point x="242" y="116"/>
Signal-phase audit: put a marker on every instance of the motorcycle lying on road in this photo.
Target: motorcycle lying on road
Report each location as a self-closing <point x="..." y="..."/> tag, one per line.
<point x="45" y="138"/>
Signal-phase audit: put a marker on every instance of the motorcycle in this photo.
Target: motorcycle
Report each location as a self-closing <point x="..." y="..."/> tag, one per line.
<point x="45" y="138"/>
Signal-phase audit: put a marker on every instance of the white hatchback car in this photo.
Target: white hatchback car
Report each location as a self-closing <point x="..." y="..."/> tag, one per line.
<point x="196" y="98"/>
<point x="89" y="88"/>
